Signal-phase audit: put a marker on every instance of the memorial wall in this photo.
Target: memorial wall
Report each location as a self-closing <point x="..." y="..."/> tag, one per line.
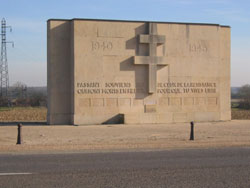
<point x="108" y="71"/>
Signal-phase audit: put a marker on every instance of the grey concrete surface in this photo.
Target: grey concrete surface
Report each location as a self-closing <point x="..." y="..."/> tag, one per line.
<point x="170" y="168"/>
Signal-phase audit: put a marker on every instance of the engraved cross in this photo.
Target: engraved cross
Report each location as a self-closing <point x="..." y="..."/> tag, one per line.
<point x="152" y="60"/>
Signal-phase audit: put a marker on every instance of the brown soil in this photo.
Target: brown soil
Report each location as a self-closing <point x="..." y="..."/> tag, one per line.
<point x="240" y="114"/>
<point x="38" y="114"/>
<point x="23" y="114"/>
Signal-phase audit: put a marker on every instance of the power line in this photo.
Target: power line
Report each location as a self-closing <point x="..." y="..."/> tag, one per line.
<point x="4" y="74"/>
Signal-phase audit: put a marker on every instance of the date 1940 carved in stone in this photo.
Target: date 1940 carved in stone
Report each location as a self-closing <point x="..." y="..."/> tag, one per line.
<point x="102" y="45"/>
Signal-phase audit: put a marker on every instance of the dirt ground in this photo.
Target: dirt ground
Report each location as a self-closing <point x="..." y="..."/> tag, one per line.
<point x="23" y="114"/>
<point x="119" y="137"/>
<point x="240" y="114"/>
<point x="42" y="138"/>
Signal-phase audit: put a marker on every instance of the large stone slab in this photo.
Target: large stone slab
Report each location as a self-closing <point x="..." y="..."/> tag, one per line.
<point x="106" y="71"/>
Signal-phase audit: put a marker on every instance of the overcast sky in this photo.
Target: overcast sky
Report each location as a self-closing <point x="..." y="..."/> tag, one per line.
<point x="28" y="59"/>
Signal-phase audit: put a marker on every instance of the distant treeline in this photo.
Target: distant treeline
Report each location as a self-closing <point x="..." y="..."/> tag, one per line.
<point x="235" y="92"/>
<point x="29" y="91"/>
<point x="21" y="95"/>
<point x="243" y="95"/>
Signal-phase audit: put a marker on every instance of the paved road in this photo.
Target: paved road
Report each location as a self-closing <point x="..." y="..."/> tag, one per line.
<point x="176" y="168"/>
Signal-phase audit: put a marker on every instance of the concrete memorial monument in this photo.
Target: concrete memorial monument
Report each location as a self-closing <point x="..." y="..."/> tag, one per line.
<point x="106" y="71"/>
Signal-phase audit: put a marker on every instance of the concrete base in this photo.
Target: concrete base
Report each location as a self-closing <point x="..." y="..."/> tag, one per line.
<point x="154" y="118"/>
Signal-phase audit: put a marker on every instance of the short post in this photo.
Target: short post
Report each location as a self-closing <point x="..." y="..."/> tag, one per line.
<point x="192" y="131"/>
<point x="19" y="133"/>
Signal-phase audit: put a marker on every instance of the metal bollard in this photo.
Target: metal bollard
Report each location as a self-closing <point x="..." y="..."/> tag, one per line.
<point x="192" y="131"/>
<point x="19" y="134"/>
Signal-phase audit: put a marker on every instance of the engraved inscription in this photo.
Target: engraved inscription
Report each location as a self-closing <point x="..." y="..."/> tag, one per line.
<point x="186" y="87"/>
<point x="162" y="88"/>
<point x="198" y="48"/>
<point x="102" y="45"/>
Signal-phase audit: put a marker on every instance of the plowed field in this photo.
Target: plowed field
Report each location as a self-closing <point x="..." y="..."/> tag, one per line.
<point x="23" y="114"/>
<point x="240" y="114"/>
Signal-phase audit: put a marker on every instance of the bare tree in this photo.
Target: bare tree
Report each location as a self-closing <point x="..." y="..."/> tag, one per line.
<point x="4" y="102"/>
<point x="19" y="90"/>
<point x="19" y="94"/>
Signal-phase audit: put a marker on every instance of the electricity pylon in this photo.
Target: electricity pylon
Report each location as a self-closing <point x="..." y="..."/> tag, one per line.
<point x="4" y="74"/>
